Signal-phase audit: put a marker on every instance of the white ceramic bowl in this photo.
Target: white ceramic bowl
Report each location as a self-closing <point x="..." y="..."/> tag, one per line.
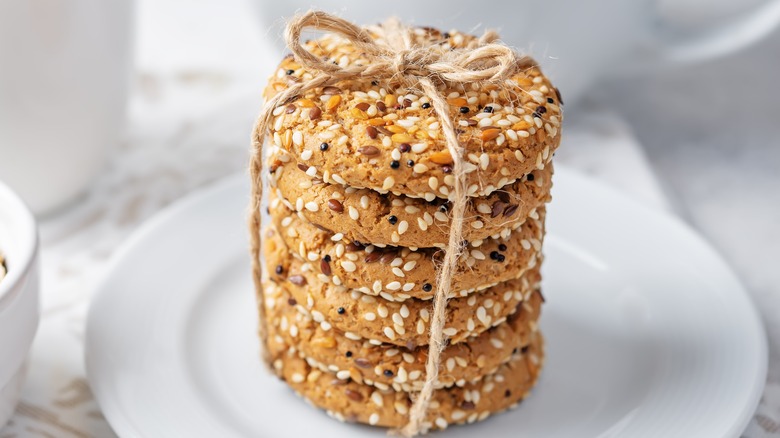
<point x="18" y="296"/>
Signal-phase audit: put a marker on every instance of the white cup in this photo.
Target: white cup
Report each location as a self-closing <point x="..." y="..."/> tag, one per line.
<point x="576" y="41"/>
<point x="18" y="296"/>
<point x="64" y="76"/>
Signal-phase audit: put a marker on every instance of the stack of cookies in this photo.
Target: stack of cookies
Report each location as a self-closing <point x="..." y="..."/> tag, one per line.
<point x="359" y="205"/>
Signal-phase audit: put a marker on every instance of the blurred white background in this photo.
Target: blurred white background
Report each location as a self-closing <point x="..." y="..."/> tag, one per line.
<point x="701" y="140"/>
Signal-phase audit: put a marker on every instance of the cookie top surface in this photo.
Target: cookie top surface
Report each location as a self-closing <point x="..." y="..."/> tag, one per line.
<point x="383" y="135"/>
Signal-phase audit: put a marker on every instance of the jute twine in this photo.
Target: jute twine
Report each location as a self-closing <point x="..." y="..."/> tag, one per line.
<point x="395" y="58"/>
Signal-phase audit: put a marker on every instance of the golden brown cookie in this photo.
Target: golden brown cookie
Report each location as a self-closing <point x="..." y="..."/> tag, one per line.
<point x="368" y="216"/>
<point x="403" y="323"/>
<point x="389" y="366"/>
<point x="397" y="274"/>
<point x="382" y="136"/>
<point x="350" y="401"/>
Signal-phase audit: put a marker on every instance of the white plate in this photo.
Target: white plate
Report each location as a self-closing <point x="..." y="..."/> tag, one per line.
<point x="649" y="333"/>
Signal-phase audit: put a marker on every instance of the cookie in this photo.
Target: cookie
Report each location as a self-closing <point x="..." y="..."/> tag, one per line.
<point x="368" y="216"/>
<point x="388" y="366"/>
<point x="350" y="401"/>
<point x="383" y="136"/>
<point x="398" y="274"/>
<point x="379" y="320"/>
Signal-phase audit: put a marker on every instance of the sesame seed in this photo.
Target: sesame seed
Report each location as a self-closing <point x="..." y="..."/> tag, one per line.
<point x="312" y="206"/>
<point x="388" y="183"/>
<point x="353" y="213"/>
<point x="297" y="378"/>
<point x="389" y="333"/>
<point x="348" y="266"/>
<point x="402" y="227"/>
<point x="369" y="316"/>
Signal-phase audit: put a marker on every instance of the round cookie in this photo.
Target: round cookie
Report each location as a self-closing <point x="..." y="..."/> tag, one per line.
<point x="368" y="216"/>
<point x="380" y="135"/>
<point x="397" y="274"/>
<point x="400" y="323"/>
<point x="350" y="401"/>
<point x="388" y="366"/>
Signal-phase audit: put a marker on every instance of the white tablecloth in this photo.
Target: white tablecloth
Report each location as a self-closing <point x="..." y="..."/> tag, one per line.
<point x="195" y="97"/>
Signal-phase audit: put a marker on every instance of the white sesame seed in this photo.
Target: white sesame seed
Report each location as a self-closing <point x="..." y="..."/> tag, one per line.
<point x="402" y="227"/>
<point x="398" y="272"/>
<point x="398" y="319"/>
<point x="370" y="316"/>
<point x="376" y="397"/>
<point x="450" y="331"/>
<point x="382" y="311"/>
<point x="389" y="333"/>
<point x="433" y="183"/>
<point x="353" y="213"/>
<point x="348" y="266"/>
<point x="419" y="148"/>
<point x="477" y="224"/>
<point x="388" y="183"/>
<point x="312" y="206"/>
<point x="420" y="168"/>
<point x="394" y="285"/>
<point x="298" y="378"/>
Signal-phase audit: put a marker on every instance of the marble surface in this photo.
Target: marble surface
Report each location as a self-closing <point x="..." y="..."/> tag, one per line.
<point x="195" y="96"/>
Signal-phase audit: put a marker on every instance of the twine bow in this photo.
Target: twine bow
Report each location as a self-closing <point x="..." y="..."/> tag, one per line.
<point x="393" y="57"/>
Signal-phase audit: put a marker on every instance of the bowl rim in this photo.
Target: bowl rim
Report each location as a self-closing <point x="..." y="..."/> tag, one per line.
<point x="23" y="260"/>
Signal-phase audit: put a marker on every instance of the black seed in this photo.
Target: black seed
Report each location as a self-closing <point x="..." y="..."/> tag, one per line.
<point x="426" y="105"/>
<point x="410" y="163"/>
<point x="327" y="258"/>
<point x="550" y="100"/>
<point x="537" y="115"/>
<point x="427" y="287"/>
<point x="395" y="164"/>
<point x="446" y="34"/>
<point x="502" y="247"/>
<point x="446" y="168"/>
<point x="507" y="393"/>
<point x="279" y="269"/>
<point x="323" y="146"/>
<point x="464" y="109"/>
<point x="341" y="310"/>
<point x="404" y="147"/>
<point x="494" y="255"/>
<point x="488" y="109"/>
<point x="392" y="219"/>
<point x="541" y="110"/>
<point x="374" y="83"/>
<point x="348" y="354"/>
<point x="501" y="258"/>
<point x="530" y="177"/>
<point x="289" y="72"/>
<point x="388" y="373"/>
